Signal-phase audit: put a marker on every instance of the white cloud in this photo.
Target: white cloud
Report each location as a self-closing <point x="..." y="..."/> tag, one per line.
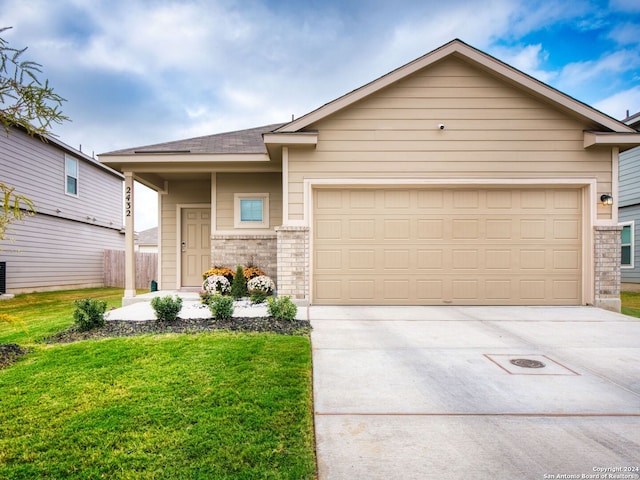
<point x="618" y="104"/>
<point x="580" y="73"/>
<point x="529" y="59"/>
<point x="626" y="34"/>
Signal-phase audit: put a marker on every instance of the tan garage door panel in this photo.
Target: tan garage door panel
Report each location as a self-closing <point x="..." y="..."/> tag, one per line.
<point x="457" y="246"/>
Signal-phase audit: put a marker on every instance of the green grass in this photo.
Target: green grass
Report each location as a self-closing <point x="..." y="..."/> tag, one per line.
<point x="630" y="303"/>
<point x="45" y="313"/>
<point x="191" y="406"/>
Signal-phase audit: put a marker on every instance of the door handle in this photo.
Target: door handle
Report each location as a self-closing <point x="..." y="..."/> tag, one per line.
<point x="184" y="246"/>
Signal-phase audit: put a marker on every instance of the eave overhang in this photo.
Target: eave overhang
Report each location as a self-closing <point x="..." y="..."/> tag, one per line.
<point x="309" y="139"/>
<point x="171" y="157"/>
<point x="275" y="141"/>
<point x="624" y="141"/>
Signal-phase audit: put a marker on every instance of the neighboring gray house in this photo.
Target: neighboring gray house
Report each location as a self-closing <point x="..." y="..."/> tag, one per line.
<point x="629" y="208"/>
<point x="79" y="214"/>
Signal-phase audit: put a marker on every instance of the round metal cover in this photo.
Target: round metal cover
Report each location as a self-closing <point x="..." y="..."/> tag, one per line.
<point x="527" y="363"/>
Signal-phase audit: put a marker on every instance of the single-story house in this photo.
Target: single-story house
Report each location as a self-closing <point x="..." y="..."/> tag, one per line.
<point x="455" y="179"/>
<point x="629" y="210"/>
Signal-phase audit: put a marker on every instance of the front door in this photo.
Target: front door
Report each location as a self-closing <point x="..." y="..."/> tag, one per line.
<point x="195" y="245"/>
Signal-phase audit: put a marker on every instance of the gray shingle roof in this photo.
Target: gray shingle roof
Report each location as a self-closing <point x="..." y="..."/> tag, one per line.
<point x="148" y="237"/>
<point x="240" y="141"/>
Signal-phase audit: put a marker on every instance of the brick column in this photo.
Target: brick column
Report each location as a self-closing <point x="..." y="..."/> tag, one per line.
<point x="607" y="267"/>
<point x="293" y="263"/>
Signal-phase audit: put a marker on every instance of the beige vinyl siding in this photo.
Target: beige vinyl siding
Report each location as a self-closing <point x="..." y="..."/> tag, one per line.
<point x="37" y="170"/>
<point x="180" y="193"/>
<point x="54" y="254"/>
<point x="492" y="130"/>
<point x="228" y="184"/>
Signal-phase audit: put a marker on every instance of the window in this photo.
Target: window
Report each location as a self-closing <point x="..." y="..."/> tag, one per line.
<point x="626" y="244"/>
<point x="71" y="175"/>
<point x="251" y="210"/>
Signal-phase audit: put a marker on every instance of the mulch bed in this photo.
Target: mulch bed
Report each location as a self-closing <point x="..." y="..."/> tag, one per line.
<point x="9" y="353"/>
<point x="121" y="328"/>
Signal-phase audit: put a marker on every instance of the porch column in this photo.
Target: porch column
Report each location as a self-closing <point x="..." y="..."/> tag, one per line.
<point x="129" y="238"/>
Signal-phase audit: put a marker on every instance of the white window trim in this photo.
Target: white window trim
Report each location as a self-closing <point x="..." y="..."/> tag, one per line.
<point x="630" y="224"/>
<point x="77" y="177"/>
<point x="237" y="223"/>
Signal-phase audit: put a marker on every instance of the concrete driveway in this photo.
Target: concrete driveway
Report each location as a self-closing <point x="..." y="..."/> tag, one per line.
<point x="431" y="393"/>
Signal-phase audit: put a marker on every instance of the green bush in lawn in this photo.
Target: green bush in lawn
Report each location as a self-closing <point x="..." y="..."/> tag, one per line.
<point x="221" y="307"/>
<point x="89" y="313"/>
<point x="166" y="308"/>
<point x="239" y="284"/>
<point x="282" y="308"/>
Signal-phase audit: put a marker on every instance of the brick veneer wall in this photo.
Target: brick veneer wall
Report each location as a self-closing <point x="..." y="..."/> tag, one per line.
<point x="293" y="259"/>
<point x="242" y="249"/>
<point x="607" y="267"/>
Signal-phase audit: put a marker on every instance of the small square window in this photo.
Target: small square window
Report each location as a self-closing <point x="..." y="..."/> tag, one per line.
<point x="71" y="175"/>
<point x="251" y="210"/>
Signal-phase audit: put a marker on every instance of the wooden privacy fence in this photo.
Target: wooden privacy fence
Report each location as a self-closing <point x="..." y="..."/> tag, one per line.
<point x="146" y="268"/>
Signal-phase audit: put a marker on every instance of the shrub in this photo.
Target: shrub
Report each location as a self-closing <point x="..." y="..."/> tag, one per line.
<point x="282" y="308"/>
<point x="216" y="284"/>
<point x="257" y="297"/>
<point x="205" y="297"/>
<point x="89" y="313"/>
<point x="239" y="285"/>
<point x="166" y="308"/>
<point x="221" y="307"/>
<point x="251" y="272"/>
<point x="221" y="271"/>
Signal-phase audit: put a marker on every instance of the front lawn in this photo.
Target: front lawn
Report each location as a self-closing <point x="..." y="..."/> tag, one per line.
<point x="630" y="303"/>
<point x="41" y="314"/>
<point x="164" y="406"/>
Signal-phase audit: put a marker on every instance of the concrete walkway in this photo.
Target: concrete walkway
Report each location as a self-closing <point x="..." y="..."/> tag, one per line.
<point x="139" y="308"/>
<point x="431" y="393"/>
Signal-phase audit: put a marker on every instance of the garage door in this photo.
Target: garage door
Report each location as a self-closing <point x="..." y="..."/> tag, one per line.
<point x="448" y="246"/>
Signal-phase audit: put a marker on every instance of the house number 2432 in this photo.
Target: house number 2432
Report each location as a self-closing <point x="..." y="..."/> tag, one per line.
<point x="127" y="201"/>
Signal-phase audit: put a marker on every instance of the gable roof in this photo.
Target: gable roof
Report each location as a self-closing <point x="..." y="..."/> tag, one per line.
<point x="236" y="142"/>
<point x="458" y="48"/>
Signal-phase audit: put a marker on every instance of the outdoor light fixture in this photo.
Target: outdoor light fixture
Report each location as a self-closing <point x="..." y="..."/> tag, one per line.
<point x="606" y="199"/>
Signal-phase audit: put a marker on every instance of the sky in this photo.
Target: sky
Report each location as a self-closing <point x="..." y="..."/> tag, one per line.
<point x="139" y="72"/>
